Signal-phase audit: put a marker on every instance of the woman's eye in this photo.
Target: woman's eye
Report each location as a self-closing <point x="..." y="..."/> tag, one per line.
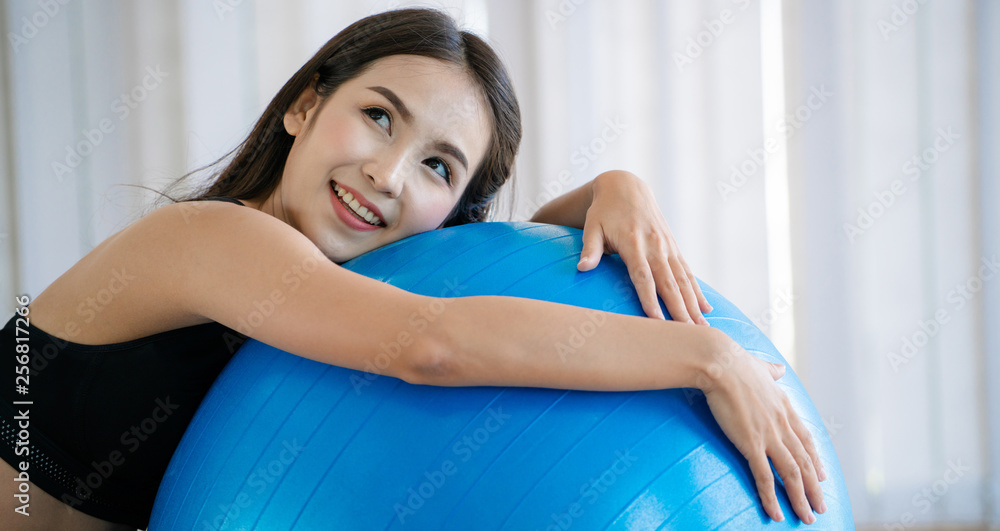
<point x="379" y="115"/>
<point x="439" y="167"/>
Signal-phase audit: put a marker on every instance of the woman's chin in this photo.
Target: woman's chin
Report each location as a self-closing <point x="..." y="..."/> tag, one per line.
<point x="340" y="254"/>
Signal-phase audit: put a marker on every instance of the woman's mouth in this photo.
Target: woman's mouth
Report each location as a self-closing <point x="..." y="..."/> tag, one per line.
<point x="351" y="211"/>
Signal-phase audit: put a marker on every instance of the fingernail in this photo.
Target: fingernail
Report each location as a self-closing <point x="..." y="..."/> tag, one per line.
<point x="812" y="520"/>
<point x="822" y="507"/>
<point x="703" y="321"/>
<point x="822" y="473"/>
<point x="781" y="516"/>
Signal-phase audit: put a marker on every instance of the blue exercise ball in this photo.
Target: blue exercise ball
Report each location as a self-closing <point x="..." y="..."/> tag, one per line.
<point x="284" y="442"/>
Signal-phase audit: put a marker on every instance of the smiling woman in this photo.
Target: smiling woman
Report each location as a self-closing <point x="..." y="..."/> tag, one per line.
<point x="400" y="124"/>
<point x="352" y="153"/>
<point x="460" y="89"/>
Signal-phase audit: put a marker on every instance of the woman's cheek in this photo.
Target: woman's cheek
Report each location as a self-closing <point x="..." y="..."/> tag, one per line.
<point x="428" y="215"/>
<point x="350" y="139"/>
<point x="441" y="212"/>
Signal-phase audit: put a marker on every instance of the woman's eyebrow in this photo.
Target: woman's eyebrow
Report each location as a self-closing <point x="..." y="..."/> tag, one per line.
<point x="408" y="118"/>
<point x="450" y="149"/>
<point x="396" y="102"/>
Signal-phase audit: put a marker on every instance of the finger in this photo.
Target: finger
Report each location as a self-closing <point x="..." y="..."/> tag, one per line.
<point x="668" y="289"/>
<point x="682" y="301"/>
<point x="687" y="291"/>
<point x="665" y="284"/>
<point x="810" y="474"/>
<point x="792" y="474"/>
<point x="765" y="486"/>
<point x="702" y="300"/>
<point x="777" y="369"/>
<point x="807" y="442"/>
<point x="593" y="247"/>
<point x="642" y="280"/>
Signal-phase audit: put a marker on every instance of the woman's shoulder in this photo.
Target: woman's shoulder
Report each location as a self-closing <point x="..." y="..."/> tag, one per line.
<point x="202" y="232"/>
<point x="193" y="228"/>
<point x="128" y="287"/>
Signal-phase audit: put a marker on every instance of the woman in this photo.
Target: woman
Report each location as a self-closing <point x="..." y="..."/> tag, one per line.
<point x="399" y="125"/>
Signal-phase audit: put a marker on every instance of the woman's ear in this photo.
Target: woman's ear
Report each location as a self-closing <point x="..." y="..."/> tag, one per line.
<point x="301" y="110"/>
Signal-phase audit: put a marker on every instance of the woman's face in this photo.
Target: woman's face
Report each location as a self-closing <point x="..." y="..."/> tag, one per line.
<point x="399" y="143"/>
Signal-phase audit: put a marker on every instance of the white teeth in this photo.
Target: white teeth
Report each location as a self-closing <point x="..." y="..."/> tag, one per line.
<point x="355" y="205"/>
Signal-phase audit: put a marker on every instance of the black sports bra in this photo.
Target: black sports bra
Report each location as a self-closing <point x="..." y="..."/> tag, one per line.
<point x="221" y="198"/>
<point x="104" y="420"/>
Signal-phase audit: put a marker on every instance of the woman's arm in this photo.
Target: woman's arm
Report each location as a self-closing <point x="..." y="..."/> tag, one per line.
<point x="569" y="209"/>
<point x="259" y="276"/>
<point x="256" y="274"/>
<point x="505" y="341"/>
<point x="496" y="340"/>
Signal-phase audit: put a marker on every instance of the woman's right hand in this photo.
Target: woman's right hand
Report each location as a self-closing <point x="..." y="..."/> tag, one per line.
<point x="758" y="418"/>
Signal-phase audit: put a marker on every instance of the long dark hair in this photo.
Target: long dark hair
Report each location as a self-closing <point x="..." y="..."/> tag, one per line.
<point x="256" y="168"/>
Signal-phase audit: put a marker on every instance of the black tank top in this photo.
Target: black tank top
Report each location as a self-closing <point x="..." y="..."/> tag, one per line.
<point x="104" y="420"/>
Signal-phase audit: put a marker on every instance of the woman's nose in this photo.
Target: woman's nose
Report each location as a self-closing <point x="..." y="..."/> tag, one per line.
<point x="388" y="175"/>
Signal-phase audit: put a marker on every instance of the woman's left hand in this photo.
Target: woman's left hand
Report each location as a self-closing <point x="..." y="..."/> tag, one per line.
<point x="624" y="218"/>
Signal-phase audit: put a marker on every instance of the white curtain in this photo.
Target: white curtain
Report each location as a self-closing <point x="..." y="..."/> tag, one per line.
<point x="830" y="167"/>
<point x="897" y="249"/>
